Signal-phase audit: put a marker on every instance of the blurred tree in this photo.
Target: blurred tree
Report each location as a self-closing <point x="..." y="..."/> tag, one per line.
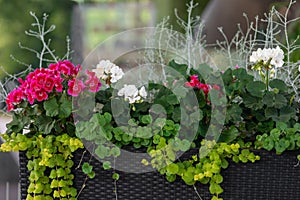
<point x="15" y="19"/>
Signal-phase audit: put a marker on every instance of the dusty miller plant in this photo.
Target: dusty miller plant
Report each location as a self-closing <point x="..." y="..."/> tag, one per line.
<point x="186" y="46"/>
<point x="45" y="55"/>
<point x="191" y="47"/>
<point x="275" y="33"/>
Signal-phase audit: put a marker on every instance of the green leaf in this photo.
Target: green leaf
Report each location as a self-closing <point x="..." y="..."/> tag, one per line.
<point x="185" y="145"/>
<point x="217" y="178"/>
<point x="180" y="91"/>
<point x="107" y="117"/>
<point x="271" y="113"/>
<point x="106" y="165"/>
<point x="279" y="101"/>
<point x="268" y="144"/>
<point x="172" y="168"/>
<point x="171" y="177"/>
<point x="282" y="126"/>
<point x="54" y="183"/>
<point x="115" y="151"/>
<point x="60" y="172"/>
<point x="146" y="119"/>
<point x="204" y="70"/>
<point x="91" y="175"/>
<point x="100" y="119"/>
<point x="286" y="113"/>
<point x="224" y="164"/>
<point x="132" y="122"/>
<point x="51" y="107"/>
<point x="188" y="178"/>
<point x="252" y="102"/>
<point x="282" y="145"/>
<point x="279" y="84"/>
<point x="65" y="109"/>
<point x="143" y="132"/>
<point x="160" y="122"/>
<point x="87" y="168"/>
<point x="53" y="174"/>
<point x="229" y="135"/>
<point x="102" y="151"/>
<point x="172" y="99"/>
<point x="274" y="100"/>
<point x="233" y="113"/>
<point x="126" y="137"/>
<point x="45" y="124"/>
<point x="116" y="176"/>
<point x="215" y="188"/>
<point x="196" y="116"/>
<point x="256" y="88"/>
<point x="181" y="68"/>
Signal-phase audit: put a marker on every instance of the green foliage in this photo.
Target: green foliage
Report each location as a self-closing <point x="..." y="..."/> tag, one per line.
<point x="251" y="108"/>
<point x="52" y="116"/>
<point x="88" y="170"/>
<point x="116" y="176"/>
<point x="280" y="139"/>
<point x="204" y="167"/>
<point x="48" y="153"/>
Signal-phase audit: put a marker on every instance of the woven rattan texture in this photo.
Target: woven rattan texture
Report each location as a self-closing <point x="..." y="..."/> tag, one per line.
<point x="272" y="178"/>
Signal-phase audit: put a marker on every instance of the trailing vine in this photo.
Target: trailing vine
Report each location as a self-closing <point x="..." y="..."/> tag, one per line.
<point x="49" y="163"/>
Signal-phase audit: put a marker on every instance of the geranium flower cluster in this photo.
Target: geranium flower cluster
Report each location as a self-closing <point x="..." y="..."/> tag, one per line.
<point x="108" y="71"/>
<point x="132" y="94"/>
<point x="195" y="83"/>
<point x="275" y="55"/>
<point x="40" y="83"/>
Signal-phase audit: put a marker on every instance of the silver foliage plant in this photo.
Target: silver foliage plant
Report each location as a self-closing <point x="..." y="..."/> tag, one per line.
<point x="187" y="47"/>
<point x="45" y="55"/>
<point x="277" y="24"/>
<point x="191" y="47"/>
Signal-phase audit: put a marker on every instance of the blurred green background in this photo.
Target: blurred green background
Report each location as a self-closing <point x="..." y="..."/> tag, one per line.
<point x="15" y="19"/>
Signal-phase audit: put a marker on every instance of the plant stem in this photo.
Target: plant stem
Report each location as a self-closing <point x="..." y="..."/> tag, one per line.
<point x="267" y="67"/>
<point x="267" y="80"/>
<point x="115" y="182"/>
<point x="197" y="192"/>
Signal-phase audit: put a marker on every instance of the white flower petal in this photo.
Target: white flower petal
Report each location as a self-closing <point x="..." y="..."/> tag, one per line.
<point x="116" y="74"/>
<point x="142" y="92"/>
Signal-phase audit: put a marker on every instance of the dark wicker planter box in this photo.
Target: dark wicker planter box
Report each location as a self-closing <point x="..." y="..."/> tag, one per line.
<point x="272" y="178"/>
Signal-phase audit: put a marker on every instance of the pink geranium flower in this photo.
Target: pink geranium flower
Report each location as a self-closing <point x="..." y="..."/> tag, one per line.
<point x="41" y="83"/>
<point x="75" y="87"/>
<point x="93" y="82"/>
<point x="40" y="95"/>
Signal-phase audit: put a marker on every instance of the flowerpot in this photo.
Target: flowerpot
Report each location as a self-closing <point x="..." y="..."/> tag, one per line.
<point x="274" y="177"/>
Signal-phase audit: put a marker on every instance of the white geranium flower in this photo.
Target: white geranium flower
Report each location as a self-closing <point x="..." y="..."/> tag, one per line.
<point x="277" y="57"/>
<point x="106" y="69"/>
<point x="132" y="94"/>
<point x="99" y="71"/>
<point x="255" y="56"/>
<point x="116" y="73"/>
<point x="275" y="54"/>
<point x="142" y="92"/>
